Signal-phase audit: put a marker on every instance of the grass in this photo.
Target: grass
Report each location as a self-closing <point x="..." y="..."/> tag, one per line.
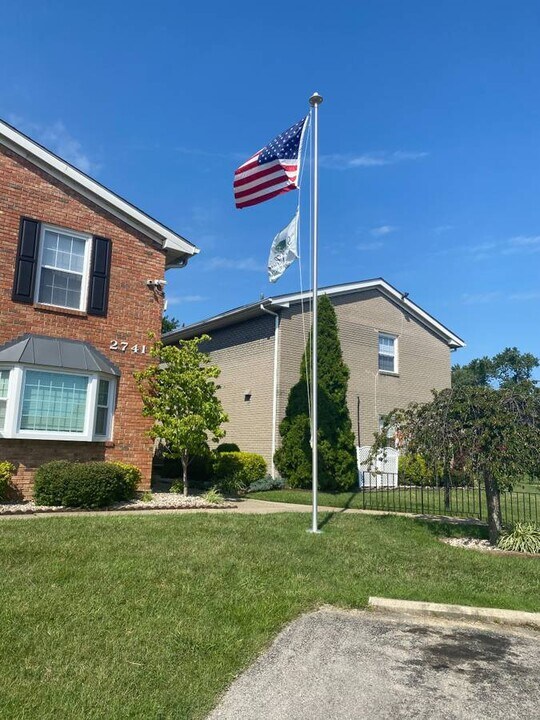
<point x="153" y="616"/>
<point x="516" y="506"/>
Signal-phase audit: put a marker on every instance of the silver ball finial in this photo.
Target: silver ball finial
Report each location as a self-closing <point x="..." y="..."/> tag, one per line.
<point x="315" y="99"/>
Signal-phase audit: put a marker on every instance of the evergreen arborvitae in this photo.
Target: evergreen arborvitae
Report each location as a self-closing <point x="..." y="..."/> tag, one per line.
<point x="336" y="443"/>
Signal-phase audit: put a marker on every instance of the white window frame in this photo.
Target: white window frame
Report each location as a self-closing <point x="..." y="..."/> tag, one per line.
<point x="4" y="398"/>
<point x="395" y="356"/>
<point x="110" y="401"/>
<point x="85" y="281"/>
<point x="16" y="384"/>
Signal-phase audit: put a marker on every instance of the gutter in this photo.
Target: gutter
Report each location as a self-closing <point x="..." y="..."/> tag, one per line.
<point x="275" y="384"/>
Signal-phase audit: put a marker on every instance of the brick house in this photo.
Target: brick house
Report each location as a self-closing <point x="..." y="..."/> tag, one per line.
<point x="78" y="298"/>
<point x="396" y="353"/>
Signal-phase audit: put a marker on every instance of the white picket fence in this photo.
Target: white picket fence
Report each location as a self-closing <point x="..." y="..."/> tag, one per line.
<point x="385" y="472"/>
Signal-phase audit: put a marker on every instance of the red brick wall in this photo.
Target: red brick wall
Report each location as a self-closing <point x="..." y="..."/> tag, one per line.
<point x="134" y="311"/>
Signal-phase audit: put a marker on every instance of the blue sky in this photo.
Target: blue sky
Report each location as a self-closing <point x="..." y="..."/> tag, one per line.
<point x="429" y="136"/>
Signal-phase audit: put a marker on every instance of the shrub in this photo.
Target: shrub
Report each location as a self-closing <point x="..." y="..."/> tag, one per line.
<point x="131" y="476"/>
<point x="336" y="443"/>
<point x="413" y="470"/>
<point x="213" y="496"/>
<point x="521" y="537"/>
<point x="227" y="447"/>
<point x="88" y="485"/>
<point x="235" y="471"/>
<point x="266" y="483"/>
<point x="6" y="473"/>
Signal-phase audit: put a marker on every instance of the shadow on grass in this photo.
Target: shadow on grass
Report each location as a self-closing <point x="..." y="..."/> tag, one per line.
<point x="441" y="529"/>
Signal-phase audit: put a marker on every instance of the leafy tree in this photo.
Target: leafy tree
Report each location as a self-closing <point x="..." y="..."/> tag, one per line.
<point x="168" y="324"/>
<point x="511" y="367"/>
<point x="492" y="435"/>
<point x="180" y="393"/>
<point x="336" y="443"/>
<point x="505" y="369"/>
<point x="476" y="374"/>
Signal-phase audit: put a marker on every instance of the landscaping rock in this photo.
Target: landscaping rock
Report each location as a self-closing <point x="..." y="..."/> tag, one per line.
<point x="159" y="501"/>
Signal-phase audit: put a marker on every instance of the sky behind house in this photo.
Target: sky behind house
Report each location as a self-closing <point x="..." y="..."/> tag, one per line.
<point x="429" y="139"/>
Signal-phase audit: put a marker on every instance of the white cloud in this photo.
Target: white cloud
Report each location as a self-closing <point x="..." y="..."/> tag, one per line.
<point x="370" y="245"/>
<point x="249" y="264"/>
<point x="522" y="244"/>
<point x="441" y="229"/>
<point x="56" y="137"/>
<point x="524" y="296"/>
<point x="341" y="161"/>
<point x="181" y="299"/>
<point x="480" y="298"/>
<point x="383" y="230"/>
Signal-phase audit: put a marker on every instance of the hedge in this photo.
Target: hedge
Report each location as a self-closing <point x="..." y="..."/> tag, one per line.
<point x="86" y="485"/>
<point x="235" y="471"/>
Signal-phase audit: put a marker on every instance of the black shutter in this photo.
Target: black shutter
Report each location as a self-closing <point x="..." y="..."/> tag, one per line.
<point x="26" y="263"/>
<point x="98" y="295"/>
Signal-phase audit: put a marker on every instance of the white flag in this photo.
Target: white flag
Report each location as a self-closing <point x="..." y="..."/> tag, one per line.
<point x="284" y="250"/>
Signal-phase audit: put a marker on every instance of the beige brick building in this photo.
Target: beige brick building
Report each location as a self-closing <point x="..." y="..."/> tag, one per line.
<point x="396" y="352"/>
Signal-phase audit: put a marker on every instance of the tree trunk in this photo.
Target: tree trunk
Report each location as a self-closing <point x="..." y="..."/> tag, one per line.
<point x="493" y="508"/>
<point x="447" y="496"/>
<point x="184" y="473"/>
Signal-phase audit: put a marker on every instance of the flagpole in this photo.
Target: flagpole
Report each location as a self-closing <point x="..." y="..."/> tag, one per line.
<point x="315" y="100"/>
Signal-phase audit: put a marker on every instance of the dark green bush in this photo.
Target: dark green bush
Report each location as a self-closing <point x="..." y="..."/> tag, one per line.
<point x="6" y="473"/>
<point x="132" y="477"/>
<point x="337" y="469"/>
<point x="235" y="471"/>
<point x="87" y="485"/>
<point x="227" y="447"/>
<point x="266" y="483"/>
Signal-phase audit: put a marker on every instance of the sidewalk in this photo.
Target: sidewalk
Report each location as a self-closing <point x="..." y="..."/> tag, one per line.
<point x="246" y="506"/>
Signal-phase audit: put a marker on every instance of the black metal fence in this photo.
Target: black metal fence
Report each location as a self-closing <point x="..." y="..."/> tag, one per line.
<point x="380" y="491"/>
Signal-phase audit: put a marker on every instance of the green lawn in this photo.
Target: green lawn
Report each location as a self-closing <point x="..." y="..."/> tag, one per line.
<point x="152" y="616"/>
<point x="464" y="502"/>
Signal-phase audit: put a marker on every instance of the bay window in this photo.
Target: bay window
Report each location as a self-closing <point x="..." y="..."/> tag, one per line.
<point x="44" y="404"/>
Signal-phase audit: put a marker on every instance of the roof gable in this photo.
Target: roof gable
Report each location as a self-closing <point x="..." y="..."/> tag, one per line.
<point x="254" y="309"/>
<point x="178" y="249"/>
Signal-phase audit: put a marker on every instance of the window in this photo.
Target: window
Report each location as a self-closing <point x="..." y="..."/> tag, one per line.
<point x="387" y="353"/>
<point x="4" y="382"/>
<point x="102" y="412"/>
<point x="53" y="402"/>
<point x="63" y="269"/>
<point x="50" y="405"/>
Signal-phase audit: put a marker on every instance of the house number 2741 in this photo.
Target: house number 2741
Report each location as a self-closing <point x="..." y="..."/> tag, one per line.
<point x="124" y="347"/>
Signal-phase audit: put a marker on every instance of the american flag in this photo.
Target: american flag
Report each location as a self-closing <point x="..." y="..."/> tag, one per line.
<point x="271" y="171"/>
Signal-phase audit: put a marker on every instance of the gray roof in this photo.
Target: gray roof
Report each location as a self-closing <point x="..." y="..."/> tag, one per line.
<point x="56" y="353"/>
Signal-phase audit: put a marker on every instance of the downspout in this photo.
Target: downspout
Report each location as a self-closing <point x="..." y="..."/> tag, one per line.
<point x="275" y="384"/>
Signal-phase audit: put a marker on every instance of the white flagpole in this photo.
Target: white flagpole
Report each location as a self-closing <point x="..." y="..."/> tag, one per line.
<point x="315" y="100"/>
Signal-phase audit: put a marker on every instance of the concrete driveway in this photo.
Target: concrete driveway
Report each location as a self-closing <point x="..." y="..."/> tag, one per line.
<point x="341" y="665"/>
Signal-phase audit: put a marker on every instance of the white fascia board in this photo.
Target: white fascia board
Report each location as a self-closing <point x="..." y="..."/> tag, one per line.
<point x="92" y="190"/>
<point x="387" y="289"/>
